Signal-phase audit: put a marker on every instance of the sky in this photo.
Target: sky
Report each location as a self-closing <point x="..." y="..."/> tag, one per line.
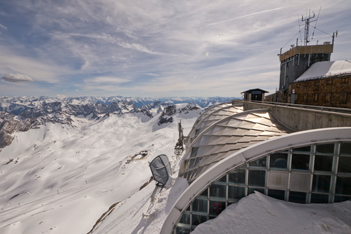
<point x="156" y="48"/>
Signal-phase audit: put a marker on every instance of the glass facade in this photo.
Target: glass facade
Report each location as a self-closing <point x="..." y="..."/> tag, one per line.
<point x="317" y="173"/>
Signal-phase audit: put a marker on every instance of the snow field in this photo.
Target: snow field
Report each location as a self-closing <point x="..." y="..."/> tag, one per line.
<point x="61" y="179"/>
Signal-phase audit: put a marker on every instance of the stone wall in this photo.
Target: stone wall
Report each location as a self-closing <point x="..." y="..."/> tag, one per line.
<point x="334" y="91"/>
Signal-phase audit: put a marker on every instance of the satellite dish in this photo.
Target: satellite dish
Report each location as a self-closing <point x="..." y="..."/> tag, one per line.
<point x="161" y="169"/>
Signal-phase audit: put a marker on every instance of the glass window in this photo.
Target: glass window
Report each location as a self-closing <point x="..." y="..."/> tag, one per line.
<point x="323" y="163"/>
<point x="235" y="192"/>
<point x="237" y="176"/>
<point x="302" y="149"/>
<point x="223" y="179"/>
<point x="343" y="185"/>
<point x="325" y="148"/>
<point x="216" y="207"/>
<point x="341" y="198"/>
<point x="203" y="194"/>
<point x="321" y="183"/>
<point x="345" y="148"/>
<point x="319" y="198"/>
<point x="252" y="190"/>
<point x="200" y="205"/>
<point x="297" y="197"/>
<point x="194" y="151"/>
<point x="185" y="218"/>
<point x="300" y="161"/>
<point x="257" y="178"/>
<point x="217" y="190"/>
<point x="197" y="219"/>
<point x="278" y="160"/>
<point x="278" y="194"/>
<point x="258" y="163"/>
<point x="181" y="230"/>
<point x="344" y="164"/>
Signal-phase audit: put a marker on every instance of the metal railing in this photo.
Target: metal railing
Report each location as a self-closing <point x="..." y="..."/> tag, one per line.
<point x="309" y="107"/>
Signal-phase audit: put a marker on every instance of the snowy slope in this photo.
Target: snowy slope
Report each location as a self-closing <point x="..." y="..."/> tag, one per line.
<point x="61" y="179"/>
<point x="326" y="69"/>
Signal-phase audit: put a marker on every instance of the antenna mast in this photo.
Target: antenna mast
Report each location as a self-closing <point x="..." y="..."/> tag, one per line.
<point x="307" y="26"/>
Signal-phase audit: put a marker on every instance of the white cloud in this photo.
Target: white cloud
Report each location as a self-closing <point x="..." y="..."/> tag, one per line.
<point x="2" y="26"/>
<point x="16" y="78"/>
<point x="108" y="79"/>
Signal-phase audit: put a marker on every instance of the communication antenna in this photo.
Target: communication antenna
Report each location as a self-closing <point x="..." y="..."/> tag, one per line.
<point x="307" y="25"/>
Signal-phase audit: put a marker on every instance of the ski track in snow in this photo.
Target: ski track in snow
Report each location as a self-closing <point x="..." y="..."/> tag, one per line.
<point x="63" y="178"/>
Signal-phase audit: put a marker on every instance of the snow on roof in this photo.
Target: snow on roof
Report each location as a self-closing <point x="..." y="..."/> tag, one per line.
<point x="258" y="213"/>
<point x="326" y="69"/>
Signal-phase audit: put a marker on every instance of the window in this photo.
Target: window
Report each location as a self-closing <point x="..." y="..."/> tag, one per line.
<point x="345" y="80"/>
<point x="329" y="81"/>
<point x="327" y="97"/>
<point x="278" y="160"/>
<point x="343" y="97"/>
<point x="316" y="83"/>
<point x="321" y="173"/>
<point x="315" y="99"/>
<point x="305" y="97"/>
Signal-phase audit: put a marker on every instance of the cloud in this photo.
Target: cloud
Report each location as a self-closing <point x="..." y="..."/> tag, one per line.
<point x="2" y="26"/>
<point x="16" y="78"/>
<point x="108" y="79"/>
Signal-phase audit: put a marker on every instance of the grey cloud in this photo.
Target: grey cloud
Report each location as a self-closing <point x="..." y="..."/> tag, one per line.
<point x="16" y="78"/>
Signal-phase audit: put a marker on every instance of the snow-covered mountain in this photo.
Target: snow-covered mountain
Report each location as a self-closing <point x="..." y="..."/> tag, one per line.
<point x="60" y="177"/>
<point x="22" y="102"/>
<point x="24" y="113"/>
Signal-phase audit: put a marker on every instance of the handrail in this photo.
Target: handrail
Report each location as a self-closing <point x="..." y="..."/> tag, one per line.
<point x="319" y="108"/>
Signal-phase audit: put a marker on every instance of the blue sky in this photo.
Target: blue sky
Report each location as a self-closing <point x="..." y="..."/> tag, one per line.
<point x="155" y="48"/>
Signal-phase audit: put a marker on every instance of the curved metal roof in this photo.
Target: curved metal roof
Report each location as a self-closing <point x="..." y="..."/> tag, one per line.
<point x="211" y="117"/>
<point x="225" y="137"/>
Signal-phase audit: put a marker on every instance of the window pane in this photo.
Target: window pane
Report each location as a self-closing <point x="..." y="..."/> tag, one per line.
<point x="185" y="218"/>
<point x="217" y="190"/>
<point x="319" y="198"/>
<point x="252" y="190"/>
<point x="197" y="219"/>
<point x="236" y="192"/>
<point x="300" y="161"/>
<point x="323" y="163"/>
<point x="194" y="151"/>
<point x="216" y="207"/>
<point x="237" y="177"/>
<point x="258" y="163"/>
<point x="297" y="197"/>
<point x="341" y="198"/>
<point x="302" y="149"/>
<point x="182" y="230"/>
<point x="222" y="179"/>
<point x="203" y="194"/>
<point x="321" y="183"/>
<point x="278" y="194"/>
<point x="278" y="160"/>
<point x="344" y="164"/>
<point x="200" y="206"/>
<point x="343" y="185"/>
<point x="325" y="148"/>
<point x="345" y="148"/>
<point x="257" y="178"/>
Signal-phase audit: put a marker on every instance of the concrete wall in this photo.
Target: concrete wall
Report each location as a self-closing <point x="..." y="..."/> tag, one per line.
<point x="300" y="119"/>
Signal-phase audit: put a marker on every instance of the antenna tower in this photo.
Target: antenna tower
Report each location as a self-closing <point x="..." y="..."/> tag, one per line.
<point x="307" y="26"/>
